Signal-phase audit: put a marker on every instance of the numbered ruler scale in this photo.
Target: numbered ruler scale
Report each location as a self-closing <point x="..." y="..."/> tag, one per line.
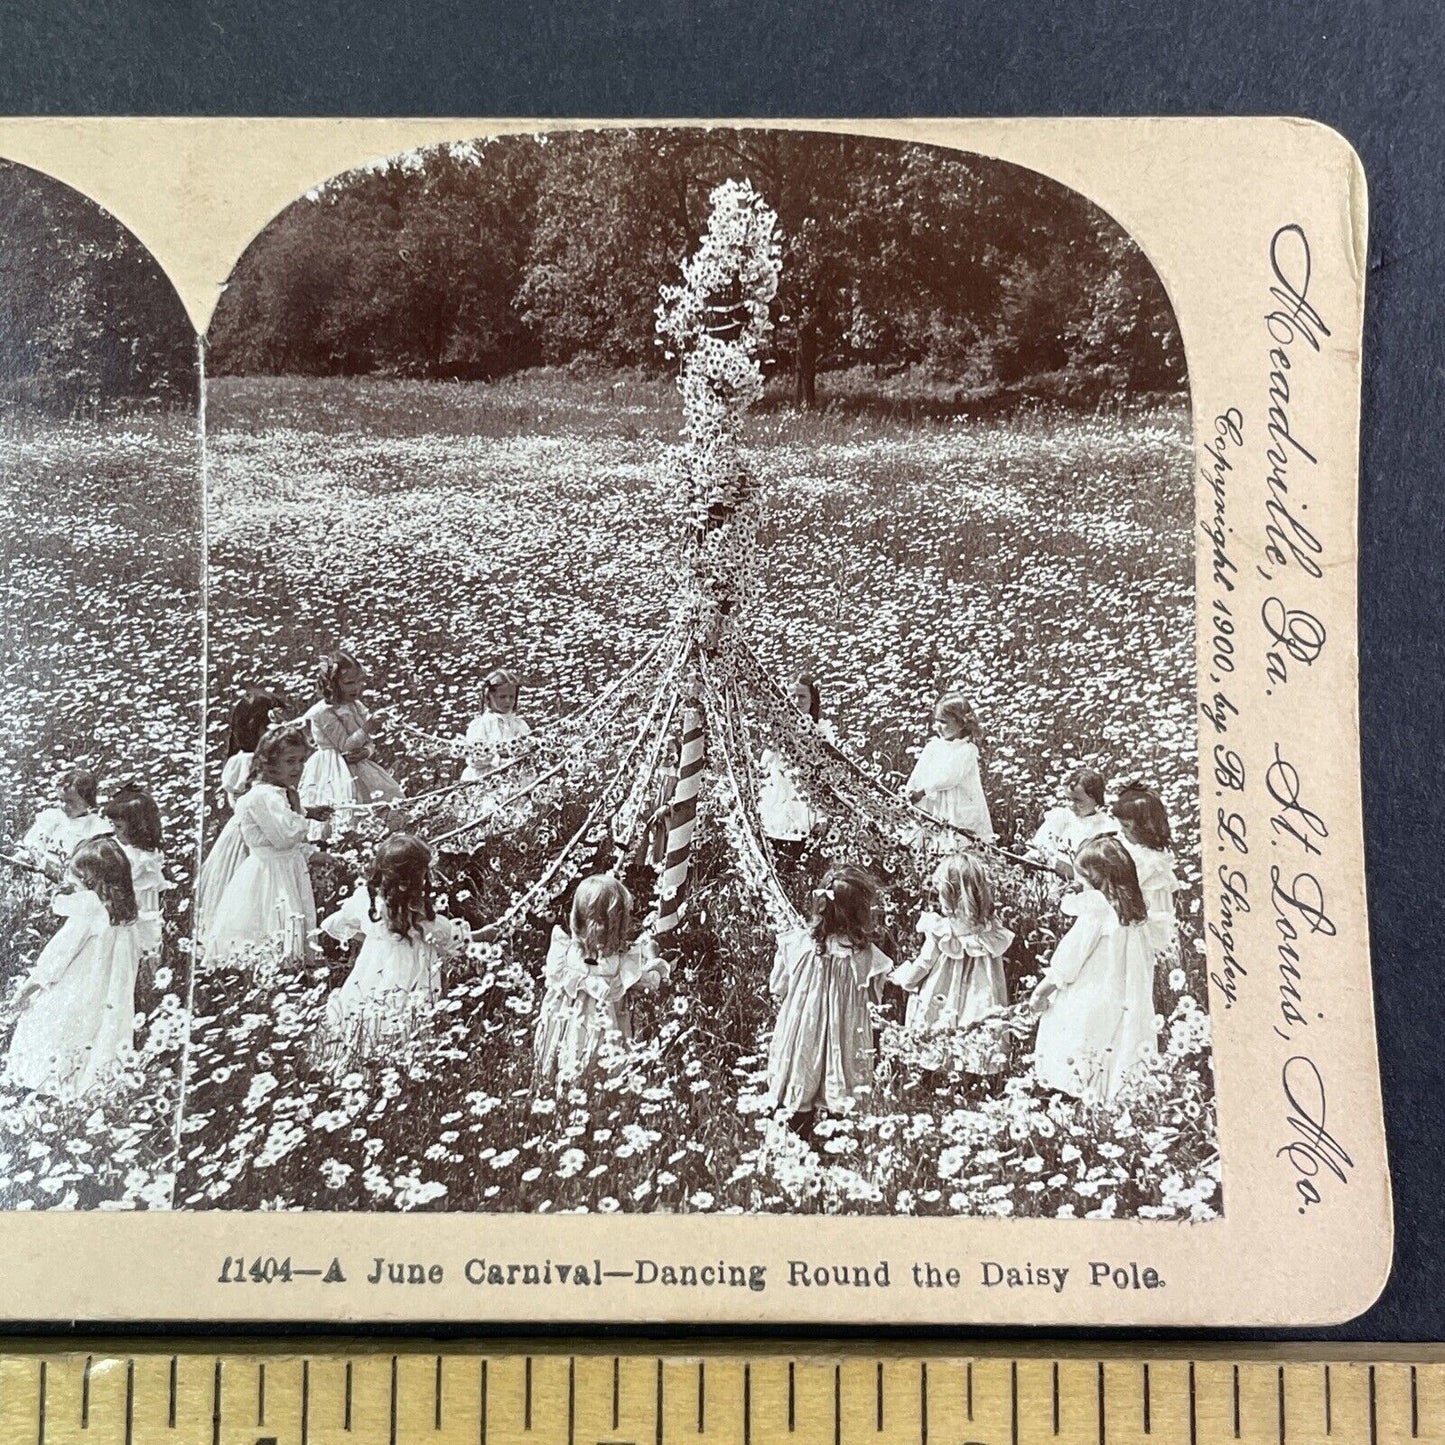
<point x="356" y="1395"/>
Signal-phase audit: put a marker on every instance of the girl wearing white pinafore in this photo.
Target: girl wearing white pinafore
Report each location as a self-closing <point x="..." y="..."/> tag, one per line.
<point x="1096" y="997"/>
<point x="1144" y="828"/>
<point x="785" y="815"/>
<point x="148" y="875"/>
<point x="589" y="974"/>
<point x="341" y="772"/>
<point x="493" y="735"/>
<point x="1158" y="882"/>
<point x="77" y="1005"/>
<point x="270" y="895"/>
<point x="957" y="977"/>
<point x="823" y="979"/>
<point x="55" y="835"/>
<point x="228" y="850"/>
<point x="397" y="974"/>
<point x="1067" y="828"/>
<point x="249" y="719"/>
<point x="947" y="781"/>
<point x="59" y="830"/>
<point x="489" y="736"/>
<point x="133" y="813"/>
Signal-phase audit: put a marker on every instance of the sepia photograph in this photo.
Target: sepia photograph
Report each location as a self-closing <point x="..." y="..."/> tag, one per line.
<point x="589" y="702"/>
<point x="700" y="694"/>
<point x="102" y="636"/>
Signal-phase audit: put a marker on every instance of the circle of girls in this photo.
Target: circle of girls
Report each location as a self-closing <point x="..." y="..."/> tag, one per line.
<point x="290" y="786"/>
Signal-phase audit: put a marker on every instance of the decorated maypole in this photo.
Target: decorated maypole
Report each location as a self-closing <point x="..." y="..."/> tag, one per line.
<point x="715" y="322"/>
<point x="700" y="685"/>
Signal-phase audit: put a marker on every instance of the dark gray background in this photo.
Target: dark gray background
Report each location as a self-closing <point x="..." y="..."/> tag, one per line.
<point x="1375" y="73"/>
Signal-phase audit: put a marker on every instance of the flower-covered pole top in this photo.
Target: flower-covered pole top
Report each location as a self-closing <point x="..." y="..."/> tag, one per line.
<point x="716" y="322"/>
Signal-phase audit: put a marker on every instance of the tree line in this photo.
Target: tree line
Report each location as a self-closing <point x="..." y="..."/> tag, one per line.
<point x="479" y="259"/>
<point x="474" y="260"/>
<point x="88" y="321"/>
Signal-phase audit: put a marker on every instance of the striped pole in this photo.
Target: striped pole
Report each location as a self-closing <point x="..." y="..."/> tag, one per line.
<point x="672" y="886"/>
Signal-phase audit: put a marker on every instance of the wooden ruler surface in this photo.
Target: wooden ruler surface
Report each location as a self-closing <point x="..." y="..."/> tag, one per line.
<point x="272" y="1393"/>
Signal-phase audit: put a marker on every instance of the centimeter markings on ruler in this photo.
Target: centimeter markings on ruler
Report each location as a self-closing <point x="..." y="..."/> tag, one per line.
<point x="549" y="1397"/>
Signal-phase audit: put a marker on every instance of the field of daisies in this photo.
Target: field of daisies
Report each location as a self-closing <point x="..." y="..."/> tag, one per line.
<point x="440" y="530"/>
<point x="100" y="666"/>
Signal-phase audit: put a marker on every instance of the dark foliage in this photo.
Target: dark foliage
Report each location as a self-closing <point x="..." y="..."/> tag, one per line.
<point x="89" y="323"/>
<point x="480" y="259"/>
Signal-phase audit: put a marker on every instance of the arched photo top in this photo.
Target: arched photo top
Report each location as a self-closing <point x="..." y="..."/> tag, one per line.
<point x="89" y="322"/>
<point x="101" y="641"/>
<point x="472" y="260"/>
<point x="730" y="527"/>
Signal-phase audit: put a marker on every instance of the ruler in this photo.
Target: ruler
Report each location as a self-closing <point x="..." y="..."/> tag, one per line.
<point x="270" y="1393"/>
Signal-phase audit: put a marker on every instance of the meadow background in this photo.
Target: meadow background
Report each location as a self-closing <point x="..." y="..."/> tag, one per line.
<point x="441" y="529"/>
<point x="101" y="640"/>
<point x="100" y="666"/>
<point x="440" y="436"/>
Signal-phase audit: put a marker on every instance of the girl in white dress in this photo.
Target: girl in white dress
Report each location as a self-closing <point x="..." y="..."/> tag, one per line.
<point x="824" y="976"/>
<point x="591" y="969"/>
<point x="396" y="979"/>
<point x="958" y="975"/>
<point x="342" y="771"/>
<point x="1096" y="997"/>
<point x="250" y="718"/>
<point x="493" y="735"/>
<point x="788" y="819"/>
<point x="76" y="1007"/>
<point x="59" y="830"/>
<point x="137" y="823"/>
<point x="1067" y="828"/>
<point x="947" y="782"/>
<point x="270" y="895"/>
<point x="1144" y="828"/>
